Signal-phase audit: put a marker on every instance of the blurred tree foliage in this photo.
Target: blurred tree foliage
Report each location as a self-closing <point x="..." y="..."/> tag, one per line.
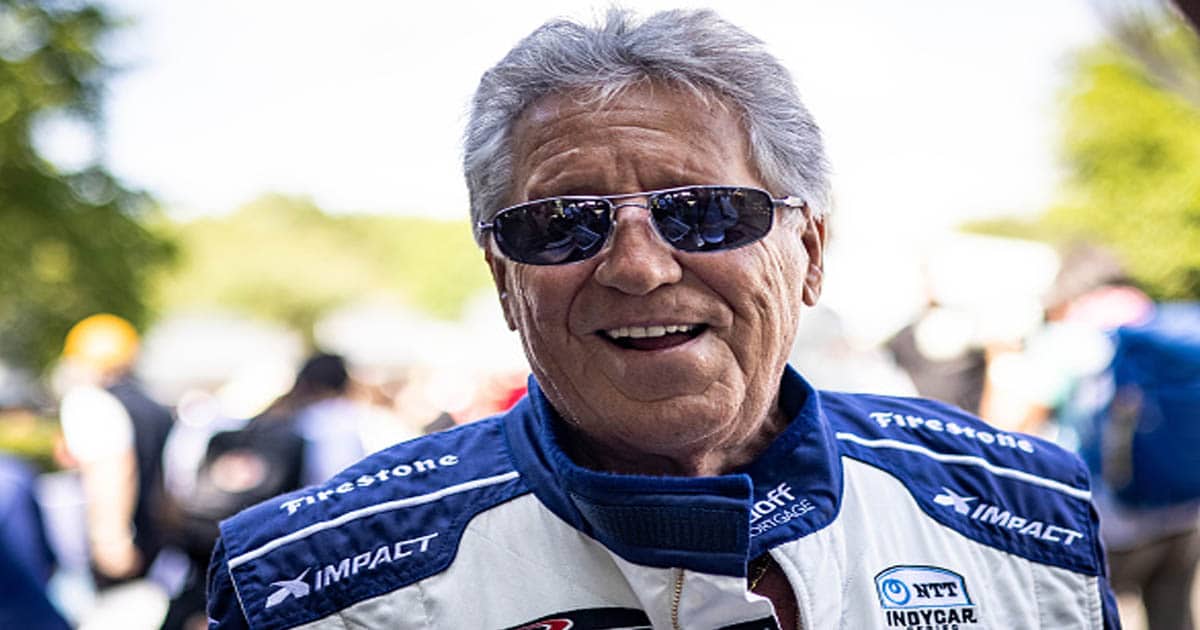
<point x="283" y="258"/>
<point x="72" y="243"/>
<point x="1132" y="151"/>
<point x="29" y="437"/>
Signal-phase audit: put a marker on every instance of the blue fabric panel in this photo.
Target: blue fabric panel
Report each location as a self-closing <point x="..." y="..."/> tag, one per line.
<point x="340" y="563"/>
<point x="223" y="607"/>
<point x="1112" y="620"/>
<point x="1009" y="491"/>
<point x="947" y="429"/>
<point x="798" y="480"/>
<point x="793" y="489"/>
<point x="407" y="469"/>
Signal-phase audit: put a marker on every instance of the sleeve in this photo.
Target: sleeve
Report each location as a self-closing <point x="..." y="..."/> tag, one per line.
<point x="223" y="608"/>
<point x="95" y="425"/>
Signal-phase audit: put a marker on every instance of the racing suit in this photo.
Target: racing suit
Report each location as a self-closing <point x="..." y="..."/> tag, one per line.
<point x="882" y="512"/>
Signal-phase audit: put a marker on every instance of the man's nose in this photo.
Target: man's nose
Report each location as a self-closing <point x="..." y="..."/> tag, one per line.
<point x="638" y="260"/>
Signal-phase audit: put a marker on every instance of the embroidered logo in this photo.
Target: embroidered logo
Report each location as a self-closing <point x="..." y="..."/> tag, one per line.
<point x="1005" y="520"/>
<point x="961" y="504"/>
<point x="295" y="587"/>
<point x="778" y="507"/>
<point x="924" y="597"/>
<point x="349" y="567"/>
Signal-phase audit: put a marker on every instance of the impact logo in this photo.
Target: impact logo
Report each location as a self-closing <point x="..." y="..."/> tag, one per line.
<point x="347" y="568"/>
<point x="930" y="598"/>
<point x="975" y="510"/>
<point x="295" y="587"/>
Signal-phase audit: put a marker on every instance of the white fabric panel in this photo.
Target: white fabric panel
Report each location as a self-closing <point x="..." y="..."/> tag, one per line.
<point x="519" y="562"/>
<point x="399" y="609"/>
<point x="878" y="529"/>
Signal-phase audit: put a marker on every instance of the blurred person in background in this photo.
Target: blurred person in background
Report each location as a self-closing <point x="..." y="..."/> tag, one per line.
<point x="115" y="433"/>
<point x="326" y="416"/>
<point x="651" y="199"/>
<point x="1090" y="297"/>
<point x="829" y="358"/>
<point x="939" y="353"/>
<point x="302" y="438"/>
<point x="1065" y="378"/>
<point x="1117" y="377"/>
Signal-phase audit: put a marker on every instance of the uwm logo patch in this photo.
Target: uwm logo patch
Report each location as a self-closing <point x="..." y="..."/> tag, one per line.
<point x="590" y="619"/>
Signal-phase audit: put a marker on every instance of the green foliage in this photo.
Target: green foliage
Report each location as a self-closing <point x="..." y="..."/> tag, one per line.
<point x="1131" y="145"/>
<point x="435" y="263"/>
<point x="29" y="437"/>
<point x="71" y="243"/>
<point x="1008" y="227"/>
<point x="283" y="258"/>
<point x="1134" y="155"/>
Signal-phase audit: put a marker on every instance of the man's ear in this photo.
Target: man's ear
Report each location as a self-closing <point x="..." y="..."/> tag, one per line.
<point x="499" y="269"/>
<point x="814" y="239"/>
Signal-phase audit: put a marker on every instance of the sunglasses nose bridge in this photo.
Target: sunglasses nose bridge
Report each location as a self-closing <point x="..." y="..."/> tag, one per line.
<point x="626" y="221"/>
<point x="617" y="205"/>
<point x="636" y="259"/>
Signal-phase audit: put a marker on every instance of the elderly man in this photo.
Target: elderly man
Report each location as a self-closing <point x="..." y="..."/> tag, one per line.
<point x="650" y="198"/>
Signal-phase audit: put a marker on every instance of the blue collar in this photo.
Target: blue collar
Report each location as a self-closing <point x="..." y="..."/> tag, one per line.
<point x="710" y="524"/>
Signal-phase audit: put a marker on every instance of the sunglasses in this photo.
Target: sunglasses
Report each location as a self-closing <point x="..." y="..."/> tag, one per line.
<point x="561" y="230"/>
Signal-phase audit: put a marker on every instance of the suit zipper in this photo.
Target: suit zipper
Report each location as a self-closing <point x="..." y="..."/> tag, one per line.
<point x="792" y="588"/>
<point x="675" y="597"/>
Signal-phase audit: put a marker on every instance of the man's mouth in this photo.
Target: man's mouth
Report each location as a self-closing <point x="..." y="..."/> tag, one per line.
<point x="653" y="337"/>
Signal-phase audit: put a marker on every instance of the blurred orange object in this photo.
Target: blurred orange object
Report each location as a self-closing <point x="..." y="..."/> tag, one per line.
<point x="103" y="341"/>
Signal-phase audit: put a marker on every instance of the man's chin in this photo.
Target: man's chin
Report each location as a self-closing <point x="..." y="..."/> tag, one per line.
<point x="654" y="376"/>
<point x="655" y="439"/>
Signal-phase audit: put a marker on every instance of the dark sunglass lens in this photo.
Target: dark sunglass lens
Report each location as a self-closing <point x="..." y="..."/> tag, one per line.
<point x="553" y="232"/>
<point x="712" y="219"/>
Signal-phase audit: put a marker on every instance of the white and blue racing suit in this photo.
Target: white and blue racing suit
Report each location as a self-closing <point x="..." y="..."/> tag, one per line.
<point x="882" y="512"/>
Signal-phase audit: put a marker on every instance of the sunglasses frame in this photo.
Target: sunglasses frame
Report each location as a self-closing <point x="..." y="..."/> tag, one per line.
<point x="613" y="205"/>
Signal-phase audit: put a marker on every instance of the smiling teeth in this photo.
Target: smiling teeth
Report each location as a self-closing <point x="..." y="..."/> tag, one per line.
<point x="640" y="332"/>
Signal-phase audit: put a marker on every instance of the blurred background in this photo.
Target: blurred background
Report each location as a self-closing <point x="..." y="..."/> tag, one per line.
<point x="249" y="183"/>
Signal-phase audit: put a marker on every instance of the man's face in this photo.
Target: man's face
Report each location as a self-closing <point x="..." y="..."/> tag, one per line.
<point x="709" y="386"/>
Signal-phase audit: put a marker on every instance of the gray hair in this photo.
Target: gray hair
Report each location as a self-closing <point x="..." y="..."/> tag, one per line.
<point x="692" y="49"/>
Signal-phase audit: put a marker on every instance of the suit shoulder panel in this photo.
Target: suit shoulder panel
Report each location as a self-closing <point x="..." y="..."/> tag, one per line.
<point x="1011" y="491"/>
<point x="392" y="519"/>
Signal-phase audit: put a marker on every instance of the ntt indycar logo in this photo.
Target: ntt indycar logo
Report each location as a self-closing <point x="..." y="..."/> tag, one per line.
<point x="347" y="568"/>
<point x="924" y="598"/>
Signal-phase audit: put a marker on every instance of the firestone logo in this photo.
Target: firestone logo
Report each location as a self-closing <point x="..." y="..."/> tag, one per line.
<point x="887" y="419"/>
<point x="383" y="475"/>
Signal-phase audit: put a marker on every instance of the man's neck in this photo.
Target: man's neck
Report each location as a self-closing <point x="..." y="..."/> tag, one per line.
<point x="703" y="461"/>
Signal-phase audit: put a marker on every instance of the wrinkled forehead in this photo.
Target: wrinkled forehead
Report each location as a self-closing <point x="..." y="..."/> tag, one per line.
<point x="560" y="122"/>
